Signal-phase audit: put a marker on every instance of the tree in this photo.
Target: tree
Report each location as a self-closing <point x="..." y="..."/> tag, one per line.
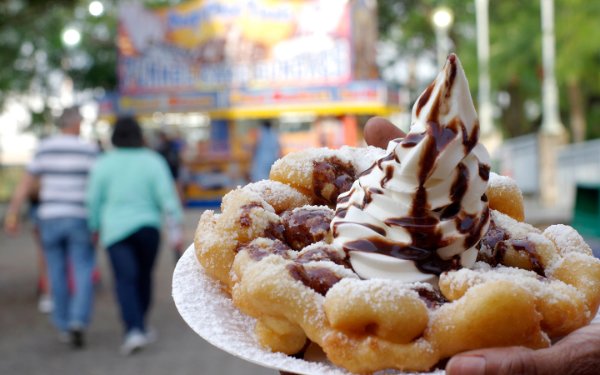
<point x="406" y="24"/>
<point x="515" y="61"/>
<point x="33" y="57"/>
<point x="578" y="64"/>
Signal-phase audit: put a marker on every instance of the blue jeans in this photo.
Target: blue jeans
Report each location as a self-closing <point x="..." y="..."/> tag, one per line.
<point x="67" y="241"/>
<point x="132" y="261"/>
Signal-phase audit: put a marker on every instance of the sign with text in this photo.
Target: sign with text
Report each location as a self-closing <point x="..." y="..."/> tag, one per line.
<point x="216" y="44"/>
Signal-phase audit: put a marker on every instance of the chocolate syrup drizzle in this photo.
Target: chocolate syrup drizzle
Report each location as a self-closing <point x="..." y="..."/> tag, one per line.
<point x="324" y="253"/>
<point x="332" y="177"/>
<point x="301" y="226"/>
<point x="433" y="298"/>
<point x="306" y="226"/>
<point x="498" y="241"/>
<point x="319" y="279"/>
<point x="421" y="223"/>
<point x="258" y="252"/>
<point x="245" y="219"/>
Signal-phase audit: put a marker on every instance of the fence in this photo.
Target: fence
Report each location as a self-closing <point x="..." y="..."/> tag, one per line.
<point x="518" y="158"/>
<point x="576" y="163"/>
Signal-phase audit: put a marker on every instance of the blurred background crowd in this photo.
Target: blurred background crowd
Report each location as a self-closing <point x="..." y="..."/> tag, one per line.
<point x="221" y="88"/>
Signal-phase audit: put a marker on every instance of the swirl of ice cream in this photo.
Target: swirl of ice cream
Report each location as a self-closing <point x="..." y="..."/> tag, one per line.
<point x="421" y="209"/>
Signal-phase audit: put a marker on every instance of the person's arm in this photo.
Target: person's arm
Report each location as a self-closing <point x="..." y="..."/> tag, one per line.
<point x="170" y="204"/>
<point x="166" y="193"/>
<point x="23" y="189"/>
<point x="95" y="200"/>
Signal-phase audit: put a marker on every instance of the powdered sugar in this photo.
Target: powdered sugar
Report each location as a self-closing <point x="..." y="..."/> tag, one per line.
<point x="567" y="239"/>
<point x="517" y="229"/>
<point x="362" y="157"/>
<point x="552" y="291"/>
<point x="301" y="163"/>
<point x="501" y="182"/>
<point x="276" y="193"/>
<point x="208" y="310"/>
<point x="374" y="291"/>
<point x="310" y="208"/>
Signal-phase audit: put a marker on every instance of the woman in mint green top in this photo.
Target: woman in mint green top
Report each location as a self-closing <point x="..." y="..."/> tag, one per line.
<point x="130" y="191"/>
<point x="130" y="188"/>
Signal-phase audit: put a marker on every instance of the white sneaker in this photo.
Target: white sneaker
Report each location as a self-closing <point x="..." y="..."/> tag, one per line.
<point x="45" y="304"/>
<point x="134" y="341"/>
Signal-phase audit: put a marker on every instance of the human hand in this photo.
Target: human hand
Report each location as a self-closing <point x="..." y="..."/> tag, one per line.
<point x="379" y="131"/>
<point x="577" y="353"/>
<point x="11" y="223"/>
<point x="178" y="247"/>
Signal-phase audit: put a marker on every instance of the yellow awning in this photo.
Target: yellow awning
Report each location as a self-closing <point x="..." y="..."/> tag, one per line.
<point x="326" y="109"/>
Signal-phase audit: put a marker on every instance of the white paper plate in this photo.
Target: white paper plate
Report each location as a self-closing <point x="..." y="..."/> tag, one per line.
<point x="212" y="315"/>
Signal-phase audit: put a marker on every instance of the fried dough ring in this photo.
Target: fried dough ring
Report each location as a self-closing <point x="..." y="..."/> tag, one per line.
<point x="505" y="196"/>
<point x="534" y="287"/>
<point x="247" y="213"/>
<point x="324" y="173"/>
<point x="361" y="338"/>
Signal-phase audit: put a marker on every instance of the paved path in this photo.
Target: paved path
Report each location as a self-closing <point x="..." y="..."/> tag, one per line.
<point x="28" y="343"/>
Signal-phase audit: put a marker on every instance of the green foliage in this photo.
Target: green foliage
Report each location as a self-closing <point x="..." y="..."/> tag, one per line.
<point x="577" y="42"/>
<point x="515" y="50"/>
<point x="32" y="51"/>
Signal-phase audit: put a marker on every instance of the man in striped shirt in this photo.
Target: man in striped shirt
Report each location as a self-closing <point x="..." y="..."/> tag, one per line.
<point x="61" y="166"/>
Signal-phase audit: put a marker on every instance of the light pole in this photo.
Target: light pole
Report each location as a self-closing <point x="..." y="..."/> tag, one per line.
<point x="483" y="59"/>
<point x="442" y="19"/>
<point x="550" y="119"/>
<point x="552" y="134"/>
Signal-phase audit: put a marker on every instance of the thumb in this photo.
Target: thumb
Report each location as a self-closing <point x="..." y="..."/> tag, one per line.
<point x="499" y="361"/>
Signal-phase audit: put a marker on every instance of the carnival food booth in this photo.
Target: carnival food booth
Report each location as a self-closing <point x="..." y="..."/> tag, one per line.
<point x="211" y="70"/>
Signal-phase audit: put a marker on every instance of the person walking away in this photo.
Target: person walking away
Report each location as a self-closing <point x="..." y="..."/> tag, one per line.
<point x="171" y="150"/>
<point x="61" y="166"/>
<point x="130" y="190"/>
<point x="266" y="152"/>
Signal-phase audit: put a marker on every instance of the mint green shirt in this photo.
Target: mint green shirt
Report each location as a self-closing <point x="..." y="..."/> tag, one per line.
<point x="130" y="188"/>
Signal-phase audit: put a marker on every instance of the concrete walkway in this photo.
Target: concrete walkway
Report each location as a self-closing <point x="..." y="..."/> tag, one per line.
<point x="28" y="342"/>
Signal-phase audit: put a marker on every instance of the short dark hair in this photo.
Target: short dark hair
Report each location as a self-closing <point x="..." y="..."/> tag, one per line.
<point x="127" y="133"/>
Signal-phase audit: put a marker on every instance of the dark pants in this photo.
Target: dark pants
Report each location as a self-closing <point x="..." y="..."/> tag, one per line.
<point x="132" y="261"/>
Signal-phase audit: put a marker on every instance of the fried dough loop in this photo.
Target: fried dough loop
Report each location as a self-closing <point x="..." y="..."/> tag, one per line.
<point x="271" y="249"/>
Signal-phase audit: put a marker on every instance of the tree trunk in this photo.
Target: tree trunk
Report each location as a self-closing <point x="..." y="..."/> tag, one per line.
<point x="513" y="117"/>
<point x="577" y="119"/>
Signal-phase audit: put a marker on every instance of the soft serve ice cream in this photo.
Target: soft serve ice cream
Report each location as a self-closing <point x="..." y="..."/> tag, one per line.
<point x="421" y="209"/>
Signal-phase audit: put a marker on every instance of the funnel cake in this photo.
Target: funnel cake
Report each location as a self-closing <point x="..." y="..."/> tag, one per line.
<point x="450" y="264"/>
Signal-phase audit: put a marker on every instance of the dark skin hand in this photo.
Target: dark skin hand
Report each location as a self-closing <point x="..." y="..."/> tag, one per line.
<point x="576" y="354"/>
<point x="379" y="131"/>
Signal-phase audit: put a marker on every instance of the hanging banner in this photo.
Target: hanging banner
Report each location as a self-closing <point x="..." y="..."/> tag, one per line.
<point x="215" y="44"/>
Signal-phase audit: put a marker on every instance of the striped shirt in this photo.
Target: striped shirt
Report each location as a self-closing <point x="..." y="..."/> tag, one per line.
<point x="62" y="163"/>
